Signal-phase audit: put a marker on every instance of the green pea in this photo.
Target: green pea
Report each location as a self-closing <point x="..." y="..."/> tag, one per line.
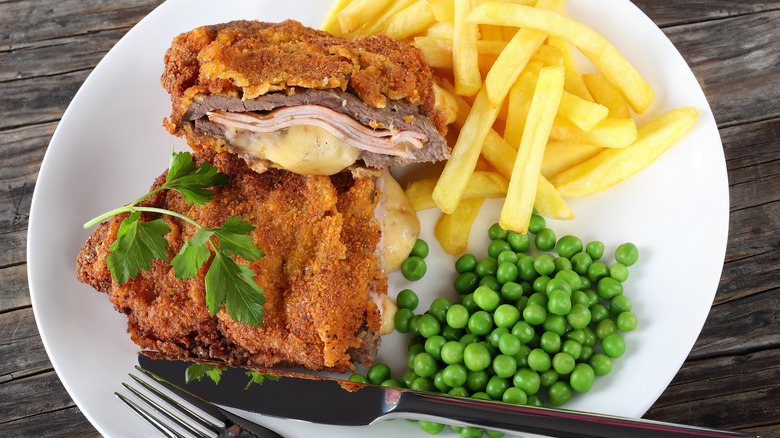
<point x="593" y="297"/>
<point x="480" y="323"/>
<point x="584" y="283"/>
<point x="540" y="284"/>
<point x="595" y="249"/>
<point x="451" y="333"/>
<point x="504" y="366"/>
<point x="601" y="364"/>
<point x="523" y="331"/>
<point x="507" y="256"/>
<point x="468" y="338"/>
<point x="572" y="347"/>
<point x="526" y="268"/>
<point x="626" y="322"/>
<point x="414" y="350"/>
<point x="407" y="299"/>
<point x="619" y="272"/>
<point x="539" y="360"/>
<point x="459" y="391"/>
<point x="439" y="383"/>
<point x="457" y="316"/>
<point x="466" y="263"/>
<point x="393" y="383"/>
<point x="570" y="277"/>
<point x="550" y="342"/>
<point x="433" y="346"/>
<point x="472" y="432"/>
<point x="408" y="378"/>
<point x="428" y="326"/>
<point x="609" y="288"/>
<point x="431" y="427"/>
<point x="582" y="378"/>
<point x="559" y="393"/>
<point x="495" y="334"/>
<point x="506" y="315"/>
<point x="558" y="284"/>
<point x="619" y="304"/>
<point x="545" y="239"/>
<point x="555" y="323"/>
<point x="468" y="302"/>
<point x="424" y="365"/>
<point x="605" y="327"/>
<point x="401" y="320"/>
<point x="515" y="396"/>
<point x="576" y="335"/>
<point x="580" y="297"/>
<point x="466" y="282"/>
<point x="598" y="312"/>
<point x="534" y="314"/>
<point x="420" y="249"/>
<point x="490" y="281"/>
<point x="590" y="336"/>
<point x="536" y="223"/>
<point x="413" y="268"/>
<point x="560" y="303"/>
<point x="438" y="309"/>
<point x="486" y="266"/>
<point x="452" y="352"/>
<point x="614" y="345"/>
<point x="586" y="354"/>
<point x="512" y="291"/>
<point x="627" y="254"/>
<point x="476" y="381"/>
<point x="509" y="344"/>
<point x="496" y="247"/>
<point x="476" y="356"/>
<point x="423" y="384"/>
<point x="597" y="271"/>
<point x="562" y="264"/>
<point x="359" y="378"/>
<point x="535" y="400"/>
<point x="486" y="298"/>
<point x="518" y="242"/>
<point x="454" y="375"/>
<point x="495" y="232"/>
<point x="580" y="262"/>
<point x="549" y="377"/>
<point x="568" y="245"/>
<point x="506" y="272"/>
<point x="378" y="373"/>
<point x="528" y="380"/>
<point x="497" y="385"/>
<point x="563" y="363"/>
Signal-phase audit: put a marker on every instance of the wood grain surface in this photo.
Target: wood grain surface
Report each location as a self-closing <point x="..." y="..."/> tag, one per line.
<point x="730" y="380"/>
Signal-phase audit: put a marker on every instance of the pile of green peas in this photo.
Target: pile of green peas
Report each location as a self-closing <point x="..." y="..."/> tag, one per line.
<point x="524" y="329"/>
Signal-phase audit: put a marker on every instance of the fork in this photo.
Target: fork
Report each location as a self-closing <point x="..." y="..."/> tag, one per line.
<point x="224" y="424"/>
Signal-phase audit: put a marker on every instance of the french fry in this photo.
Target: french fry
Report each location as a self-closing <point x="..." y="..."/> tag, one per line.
<point x="523" y="184"/>
<point x="443" y="10"/>
<point x="549" y="203"/>
<point x="519" y="101"/>
<point x="561" y="155"/>
<point x="606" y="94"/>
<point x="452" y="230"/>
<point x="439" y="29"/>
<point x="379" y="22"/>
<point x="446" y="100"/>
<point x="465" y="57"/>
<point x="574" y="83"/>
<point x="609" y="133"/>
<point x="360" y="12"/>
<point x="614" y="165"/>
<point x="600" y="51"/>
<point x="438" y="51"/>
<point x="465" y="153"/>
<point x="481" y="184"/>
<point x="499" y="153"/>
<point x="510" y="63"/>
<point x="548" y="55"/>
<point x="411" y="20"/>
<point x="331" y="23"/>
<point x="585" y="114"/>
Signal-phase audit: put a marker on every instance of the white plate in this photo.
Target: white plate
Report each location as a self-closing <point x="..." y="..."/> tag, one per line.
<point x="110" y="145"/>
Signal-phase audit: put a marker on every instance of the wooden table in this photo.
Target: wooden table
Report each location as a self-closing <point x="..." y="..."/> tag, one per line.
<point x="730" y="380"/>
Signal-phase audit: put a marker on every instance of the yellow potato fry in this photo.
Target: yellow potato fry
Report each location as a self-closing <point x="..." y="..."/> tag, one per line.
<point x="548" y="55"/>
<point x="443" y="10"/>
<point x="465" y="57"/>
<point x="574" y="83"/>
<point x="523" y="184"/>
<point x="452" y="230"/>
<point x="359" y="12"/>
<point x="499" y="153"/>
<point x="439" y="29"/>
<point x="511" y="62"/>
<point x="519" y="101"/>
<point x="585" y="114"/>
<point x="561" y="155"/>
<point x="518" y="2"/>
<point x="600" y="51"/>
<point x="331" y="23"/>
<point x="614" y="165"/>
<point x="549" y="203"/>
<point x="606" y="94"/>
<point x="410" y="20"/>
<point x="377" y="25"/>
<point x="446" y="100"/>
<point x="610" y="133"/>
<point x="465" y="153"/>
<point x="481" y="184"/>
<point x="464" y="108"/>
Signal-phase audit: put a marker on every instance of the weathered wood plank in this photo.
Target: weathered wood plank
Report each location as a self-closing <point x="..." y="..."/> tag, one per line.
<point x="664" y="13"/>
<point x="64" y="423"/>
<point x="20" y="345"/>
<point x="14" y="291"/>
<point x="736" y="61"/>
<point x="752" y="152"/>
<point x="38" y="100"/>
<point x="31" y="396"/>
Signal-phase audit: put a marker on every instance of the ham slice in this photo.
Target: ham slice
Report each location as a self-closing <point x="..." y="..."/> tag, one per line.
<point x="384" y="141"/>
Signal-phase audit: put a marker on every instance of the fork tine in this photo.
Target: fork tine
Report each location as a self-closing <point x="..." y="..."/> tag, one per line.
<point x="167" y="413"/>
<point x="151" y="419"/>
<point x="172" y="402"/>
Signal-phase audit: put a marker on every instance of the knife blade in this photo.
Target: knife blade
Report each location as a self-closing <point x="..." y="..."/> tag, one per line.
<point x="324" y="400"/>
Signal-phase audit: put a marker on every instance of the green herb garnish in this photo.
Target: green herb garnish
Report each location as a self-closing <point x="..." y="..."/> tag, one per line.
<point x="139" y="243"/>
<point x="198" y="370"/>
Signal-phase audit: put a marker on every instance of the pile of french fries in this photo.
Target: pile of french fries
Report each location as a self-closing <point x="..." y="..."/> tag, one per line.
<point x="530" y="126"/>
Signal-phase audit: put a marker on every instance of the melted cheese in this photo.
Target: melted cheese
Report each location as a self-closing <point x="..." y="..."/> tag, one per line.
<point x="302" y="149"/>
<point x="400" y="225"/>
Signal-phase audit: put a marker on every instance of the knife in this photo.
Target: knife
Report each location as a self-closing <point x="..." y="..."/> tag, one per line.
<point x="324" y="400"/>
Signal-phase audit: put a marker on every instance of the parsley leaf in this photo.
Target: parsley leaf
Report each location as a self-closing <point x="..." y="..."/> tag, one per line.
<point x="258" y="378"/>
<point x="193" y="254"/>
<point x="136" y="245"/>
<point x="234" y="238"/>
<point x="198" y="370"/>
<point x="232" y="283"/>
<point x="191" y="181"/>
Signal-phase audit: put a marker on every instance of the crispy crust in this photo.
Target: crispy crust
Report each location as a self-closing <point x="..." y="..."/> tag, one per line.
<point x="247" y="59"/>
<point x="320" y="237"/>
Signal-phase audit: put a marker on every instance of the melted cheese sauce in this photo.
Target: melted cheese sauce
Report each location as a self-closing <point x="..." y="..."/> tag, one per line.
<point x="302" y="149"/>
<point x="400" y="225"/>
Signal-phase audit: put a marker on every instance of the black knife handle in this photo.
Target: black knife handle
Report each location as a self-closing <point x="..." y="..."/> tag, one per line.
<point x="509" y="418"/>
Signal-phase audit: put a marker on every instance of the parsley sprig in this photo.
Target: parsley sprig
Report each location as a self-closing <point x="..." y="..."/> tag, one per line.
<point x="199" y="370"/>
<point x="138" y="243"/>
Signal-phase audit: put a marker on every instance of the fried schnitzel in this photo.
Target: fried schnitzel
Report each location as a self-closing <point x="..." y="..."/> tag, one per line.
<point x="323" y="281"/>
